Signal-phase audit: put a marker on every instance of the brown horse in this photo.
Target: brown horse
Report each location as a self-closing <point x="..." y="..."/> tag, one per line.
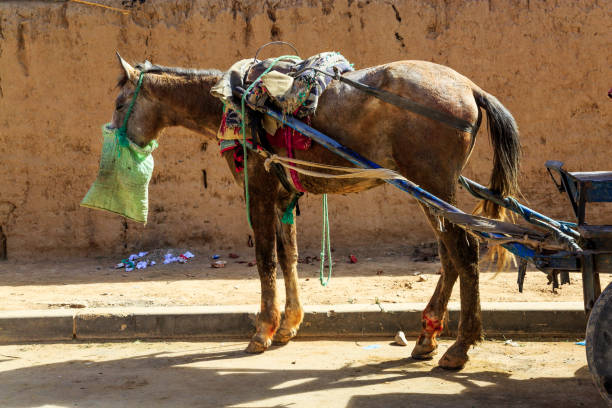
<point x="425" y="151"/>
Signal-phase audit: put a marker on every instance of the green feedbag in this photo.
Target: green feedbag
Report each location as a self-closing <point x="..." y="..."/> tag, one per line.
<point x="123" y="179"/>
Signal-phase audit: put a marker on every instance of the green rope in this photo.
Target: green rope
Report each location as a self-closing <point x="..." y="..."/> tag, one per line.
<point x="121" y="134"/>
<point x="325" y="245"/>
<point x="288" y="214"/>
<point x="244" y="145"/>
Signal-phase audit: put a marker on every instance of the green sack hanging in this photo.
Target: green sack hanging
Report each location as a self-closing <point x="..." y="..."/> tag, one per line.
<point x="123" y="179"/>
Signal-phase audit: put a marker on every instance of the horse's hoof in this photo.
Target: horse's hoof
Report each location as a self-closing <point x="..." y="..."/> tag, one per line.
<point x="425" y="348"/>
<point x="282" y="336"/>
<point x="424" y="352"/>
<point x="257" y="347"/>
<point x="453" y="359"/>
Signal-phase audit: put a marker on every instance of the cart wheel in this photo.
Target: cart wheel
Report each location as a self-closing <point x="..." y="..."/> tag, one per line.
<point x="599" y="344"/>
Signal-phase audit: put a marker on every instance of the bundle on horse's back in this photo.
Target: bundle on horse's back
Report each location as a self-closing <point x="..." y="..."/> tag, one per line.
<point x="292" y="85"/>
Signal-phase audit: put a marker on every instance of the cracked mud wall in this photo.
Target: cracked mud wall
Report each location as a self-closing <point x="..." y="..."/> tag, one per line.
<point x="547" y="61"/>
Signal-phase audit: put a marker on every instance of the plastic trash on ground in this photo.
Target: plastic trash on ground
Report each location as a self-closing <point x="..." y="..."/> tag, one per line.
<point x="140" y="260"/>
<point x="512" y="343"/>
<point x="400" y="338"/>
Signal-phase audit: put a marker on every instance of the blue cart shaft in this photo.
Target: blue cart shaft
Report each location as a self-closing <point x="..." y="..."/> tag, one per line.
<point x="527" y="213"/>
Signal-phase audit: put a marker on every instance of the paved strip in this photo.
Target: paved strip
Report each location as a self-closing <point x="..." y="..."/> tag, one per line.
<point x="36" y="325"/>
<point x="551" y="319"/>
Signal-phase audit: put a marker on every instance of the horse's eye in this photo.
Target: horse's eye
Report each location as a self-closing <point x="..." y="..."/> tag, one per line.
<point x="119" y="106"/>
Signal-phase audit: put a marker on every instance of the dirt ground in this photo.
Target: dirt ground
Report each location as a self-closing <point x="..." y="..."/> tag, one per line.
<point x="319" y="373"/>
<point x="388" y="278"/>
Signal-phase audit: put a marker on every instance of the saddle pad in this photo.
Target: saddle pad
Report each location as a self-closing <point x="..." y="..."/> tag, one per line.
<point x="298" y="97"/>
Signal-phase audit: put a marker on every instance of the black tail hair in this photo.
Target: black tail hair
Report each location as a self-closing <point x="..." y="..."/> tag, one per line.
<point x="504" y="135"/>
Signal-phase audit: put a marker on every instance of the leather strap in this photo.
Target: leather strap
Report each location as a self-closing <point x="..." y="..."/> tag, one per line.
<point x="405" y="103"/>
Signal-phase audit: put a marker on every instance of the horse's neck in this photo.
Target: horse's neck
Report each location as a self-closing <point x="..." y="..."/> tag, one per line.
<point x="193" y="106"/>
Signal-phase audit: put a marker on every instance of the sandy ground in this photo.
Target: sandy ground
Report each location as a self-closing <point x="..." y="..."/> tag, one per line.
<point x="319" y="373"/>
<point x="392" y="278"/>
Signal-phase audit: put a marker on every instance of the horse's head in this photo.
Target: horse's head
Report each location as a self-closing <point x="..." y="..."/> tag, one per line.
<point x="166" y="97"/>
<point x="148" y="116"/>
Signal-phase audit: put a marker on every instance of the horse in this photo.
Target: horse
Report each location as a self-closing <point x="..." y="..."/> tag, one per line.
<point x="428" y="152"/>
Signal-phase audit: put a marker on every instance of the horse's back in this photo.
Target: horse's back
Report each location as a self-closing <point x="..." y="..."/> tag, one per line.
<point x="433" y="85"/>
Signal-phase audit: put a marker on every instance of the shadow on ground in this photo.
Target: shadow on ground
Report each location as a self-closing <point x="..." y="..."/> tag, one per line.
<point x="219" y="378"/>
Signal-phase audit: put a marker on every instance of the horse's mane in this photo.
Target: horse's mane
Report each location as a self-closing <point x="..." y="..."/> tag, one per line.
<point x="148" y="67"/>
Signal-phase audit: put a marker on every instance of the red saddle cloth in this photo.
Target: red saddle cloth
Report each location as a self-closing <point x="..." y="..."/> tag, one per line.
<point x="284" y="138"/>
<point x="291" y="139"/>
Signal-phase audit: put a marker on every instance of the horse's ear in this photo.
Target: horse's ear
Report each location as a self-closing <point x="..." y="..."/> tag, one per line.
<point x="130" y="72"/>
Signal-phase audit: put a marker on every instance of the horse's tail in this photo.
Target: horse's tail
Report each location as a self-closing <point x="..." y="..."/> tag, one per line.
<point x="504" y="135"/>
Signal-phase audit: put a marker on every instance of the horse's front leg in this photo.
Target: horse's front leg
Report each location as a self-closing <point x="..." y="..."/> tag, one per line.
<point x="286" y="246"/>
<point x="263" y="214"/>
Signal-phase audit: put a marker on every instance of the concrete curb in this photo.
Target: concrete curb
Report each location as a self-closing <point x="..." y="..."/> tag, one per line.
<point x="550" y="319"/>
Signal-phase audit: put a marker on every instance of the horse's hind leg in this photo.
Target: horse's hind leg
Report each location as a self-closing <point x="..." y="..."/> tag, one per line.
<point x="463" y="251"/>
<point x="435" y="311"/>
<point x="459" y="257"/>
<point x="286" y="246"/>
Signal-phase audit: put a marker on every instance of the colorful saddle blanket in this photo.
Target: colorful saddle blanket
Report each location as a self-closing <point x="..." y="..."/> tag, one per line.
<point x="291" y="84"/>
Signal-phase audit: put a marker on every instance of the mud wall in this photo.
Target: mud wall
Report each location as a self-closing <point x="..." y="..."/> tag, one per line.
<point x="547" y="61"/>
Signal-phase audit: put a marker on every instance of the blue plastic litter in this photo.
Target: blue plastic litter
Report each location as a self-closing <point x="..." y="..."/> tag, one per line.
<point x="581" y="343"/>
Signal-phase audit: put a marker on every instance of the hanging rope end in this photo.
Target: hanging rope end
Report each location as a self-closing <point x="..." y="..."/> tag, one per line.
<point x="288" y="214"/>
